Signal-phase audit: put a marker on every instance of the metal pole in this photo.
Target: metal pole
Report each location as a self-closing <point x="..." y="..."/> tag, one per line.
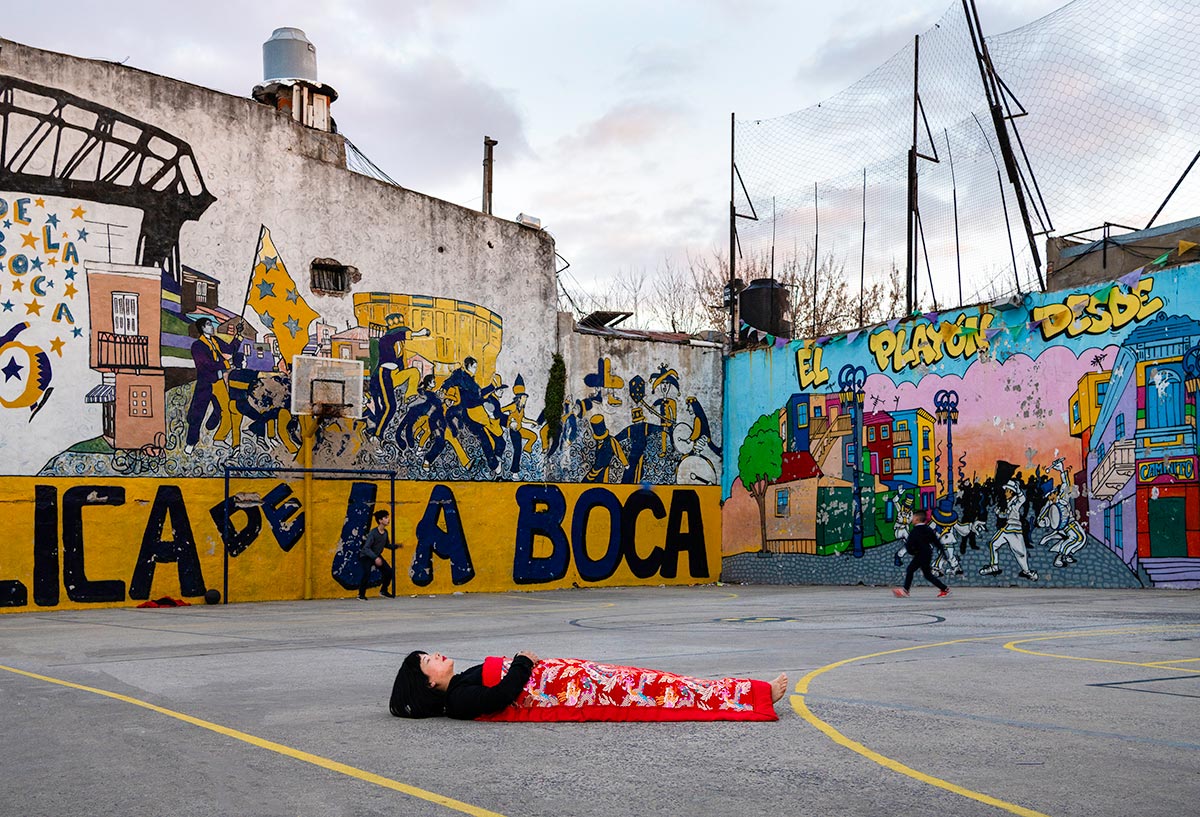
<point x="992" y="92"/>
<point x="910" y="268"/>
<point x="816" y="254"/>
<point x="862" y="264"/>
<point x="1150" y="223"/>
<point x="954" y="193"/>
<point x="225" y="542"/>
<point x="732" y="236"/>
<point x="488" y="144"/>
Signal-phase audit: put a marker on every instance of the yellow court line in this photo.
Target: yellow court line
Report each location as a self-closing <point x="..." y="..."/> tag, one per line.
<point x="801" y="707"/>
<point x="1149" y="665"/>
<point x="288" y="751"/>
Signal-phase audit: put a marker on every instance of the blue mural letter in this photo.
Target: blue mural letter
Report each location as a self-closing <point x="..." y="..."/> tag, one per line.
<point x="79" y="588"/>
<point x="599" y="569"/>
<point x="542" y="509"/>
<point x="181" y="548"/>
<point x="637" y="502"/>
<point x="448" y="543"/>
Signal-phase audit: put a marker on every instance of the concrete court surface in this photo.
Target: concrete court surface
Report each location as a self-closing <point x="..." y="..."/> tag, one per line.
<point x="994" y="701"/>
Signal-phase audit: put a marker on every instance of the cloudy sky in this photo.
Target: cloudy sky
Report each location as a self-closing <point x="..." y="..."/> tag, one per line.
<point x="612" y="118"/>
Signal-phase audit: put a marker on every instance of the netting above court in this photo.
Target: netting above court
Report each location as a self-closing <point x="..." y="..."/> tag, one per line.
<point x="1110" y="127"/>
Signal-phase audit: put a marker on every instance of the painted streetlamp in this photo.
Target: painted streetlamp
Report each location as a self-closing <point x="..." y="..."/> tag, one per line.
<point x="851" y="381"/>
<point x="945" y="402"/>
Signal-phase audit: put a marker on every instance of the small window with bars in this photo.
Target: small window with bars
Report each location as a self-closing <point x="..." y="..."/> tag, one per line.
<point x="331" y="277"/>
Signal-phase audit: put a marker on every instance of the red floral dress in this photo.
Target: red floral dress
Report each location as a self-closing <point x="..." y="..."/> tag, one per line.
<point x="571" y="689"/>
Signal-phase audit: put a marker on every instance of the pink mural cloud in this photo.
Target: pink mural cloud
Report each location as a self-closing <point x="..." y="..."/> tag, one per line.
<point x="1016" y="411"/>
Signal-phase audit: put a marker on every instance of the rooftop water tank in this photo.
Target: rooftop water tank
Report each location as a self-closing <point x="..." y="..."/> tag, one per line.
<point x="764" y="305"/>
<point x="289" y="55"/>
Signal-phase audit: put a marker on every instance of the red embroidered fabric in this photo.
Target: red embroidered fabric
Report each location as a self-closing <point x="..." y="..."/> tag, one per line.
<point x="571" y="689"/>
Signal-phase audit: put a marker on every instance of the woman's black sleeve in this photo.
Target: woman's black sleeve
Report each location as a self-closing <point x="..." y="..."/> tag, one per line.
<point x="469" y="701"/>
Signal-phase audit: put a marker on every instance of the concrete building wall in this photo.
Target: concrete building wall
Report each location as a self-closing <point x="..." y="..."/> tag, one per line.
<point x="150" y="186"/>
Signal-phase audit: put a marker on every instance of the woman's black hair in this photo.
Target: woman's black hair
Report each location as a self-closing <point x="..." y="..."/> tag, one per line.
<point x="412" y="697"/>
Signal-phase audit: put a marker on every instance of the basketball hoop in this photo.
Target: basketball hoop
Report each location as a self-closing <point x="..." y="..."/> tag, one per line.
<point x="327" y="411"/>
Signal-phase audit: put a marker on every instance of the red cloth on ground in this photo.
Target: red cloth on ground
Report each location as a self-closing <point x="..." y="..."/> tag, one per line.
<point x="571" y="689"/>
<point x="165" y="601"/>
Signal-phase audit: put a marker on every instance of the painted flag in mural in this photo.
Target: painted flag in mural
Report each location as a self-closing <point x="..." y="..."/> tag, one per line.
<point x="277" y="301"/>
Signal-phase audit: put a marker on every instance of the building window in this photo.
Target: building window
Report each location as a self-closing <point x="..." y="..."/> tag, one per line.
<point x="1101" y="390"/>
<point x="1164" y="399"/>
<point x="870" y="434"/>
<point x="924" y="439"/>
<point x="1075" y="412"/>
<point x="816" y="411"/>
<point x="902" y="453"/>
<point x="902" y="425"/>
<point x="801" y="415"/>
<point x="884" y="432"/>
<point x="202" y="291"/>
<point x="1120" y="426"/>
<point x="1099" y="453"/>
<point x="139" y="402"/>
<point x="1118" y="534"/>
<point x="1108" y="524"/>
<point x="887" y="466"/>
<point x="781" y="502"/>
<point x="926" y="469"/>
<point x="125" y="313"/>
<point x="328" y="276"/>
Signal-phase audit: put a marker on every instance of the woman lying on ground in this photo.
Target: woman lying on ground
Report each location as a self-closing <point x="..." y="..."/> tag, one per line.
<point x="526" y="688"/>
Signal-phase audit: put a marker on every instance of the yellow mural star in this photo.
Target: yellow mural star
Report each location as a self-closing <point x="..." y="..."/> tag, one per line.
<point x="70" y="291"/>
<point x="56" y="345"/>
<point x="40" y="202"/>
<point x="17" y="285"/>
<point x="53" y="261"/>
<point x="77" y="212"/>
<point x="28" y="240"/>
<point x="33" y="308"/>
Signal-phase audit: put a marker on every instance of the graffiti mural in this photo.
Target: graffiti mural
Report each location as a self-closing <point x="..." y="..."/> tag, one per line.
<point x="1053" y="443"/>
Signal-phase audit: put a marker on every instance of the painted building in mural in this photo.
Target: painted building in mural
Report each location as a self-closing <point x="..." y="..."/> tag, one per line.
<point x="160" y="282"/>
<point x="1053" y="442"/>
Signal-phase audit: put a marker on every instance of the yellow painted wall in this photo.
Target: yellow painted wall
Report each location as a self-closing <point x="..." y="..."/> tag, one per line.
<point x="67" y="539"/>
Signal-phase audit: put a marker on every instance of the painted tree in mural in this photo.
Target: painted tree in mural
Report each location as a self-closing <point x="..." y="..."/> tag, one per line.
<point x="760" y="462"/>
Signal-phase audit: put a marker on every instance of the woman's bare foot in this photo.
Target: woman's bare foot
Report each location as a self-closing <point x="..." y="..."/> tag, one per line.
<point x="779" y="687"/>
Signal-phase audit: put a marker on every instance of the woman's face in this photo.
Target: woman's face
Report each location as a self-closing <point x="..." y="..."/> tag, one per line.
<point x="437" y="668"/>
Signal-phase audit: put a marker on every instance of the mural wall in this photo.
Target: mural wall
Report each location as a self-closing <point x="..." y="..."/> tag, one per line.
<point x="1053" y="442"/>
<point x="157" y="293"/>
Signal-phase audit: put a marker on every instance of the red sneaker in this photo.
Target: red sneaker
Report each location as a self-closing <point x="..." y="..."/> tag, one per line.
<point x="944" y="593"/>
<point x="900" y="592"/>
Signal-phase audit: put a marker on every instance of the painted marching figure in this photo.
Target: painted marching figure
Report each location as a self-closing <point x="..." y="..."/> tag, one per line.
<point x="950" y="532"/>
<point x="904" y="515"/>
<point x="1066" y="536"/>
<point x="393" y="372"/>
<point x="1010" y="534"/>
<point x="208" y="355"/>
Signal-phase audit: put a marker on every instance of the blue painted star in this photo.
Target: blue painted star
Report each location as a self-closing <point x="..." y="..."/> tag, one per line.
<point x="71" y="274"/>
<point x="292" y="295"/>
<point x="293" y="326"/>
<point x="8" y="305"/>
<point x="83" y="234"/>
<point x="36" y="263"/>
<point x="52" y="220"/>
<point x="265" y="288"/>
<point x="77" y="332"/>
<point x="270" y="262"/>
<point x="12" y="369"/>
<point x="7" y="224"/>
<point x="266" y="318"/>
<point x="49" y="283"/>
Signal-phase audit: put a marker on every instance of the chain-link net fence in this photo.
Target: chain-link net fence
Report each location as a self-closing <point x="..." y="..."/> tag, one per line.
<point x="1111" y="124"/>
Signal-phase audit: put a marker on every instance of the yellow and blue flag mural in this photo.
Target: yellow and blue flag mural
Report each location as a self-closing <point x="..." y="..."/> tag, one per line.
<point x="277" y="301"/>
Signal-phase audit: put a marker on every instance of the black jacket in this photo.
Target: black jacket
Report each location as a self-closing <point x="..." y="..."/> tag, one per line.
<point x="468" y="698"/>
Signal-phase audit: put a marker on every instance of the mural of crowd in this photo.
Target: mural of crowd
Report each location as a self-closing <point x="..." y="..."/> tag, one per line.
<point x="1067" y="426"/>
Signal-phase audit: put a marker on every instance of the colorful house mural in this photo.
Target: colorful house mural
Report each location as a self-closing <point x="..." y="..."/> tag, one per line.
<point x="1071" y="419"/>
